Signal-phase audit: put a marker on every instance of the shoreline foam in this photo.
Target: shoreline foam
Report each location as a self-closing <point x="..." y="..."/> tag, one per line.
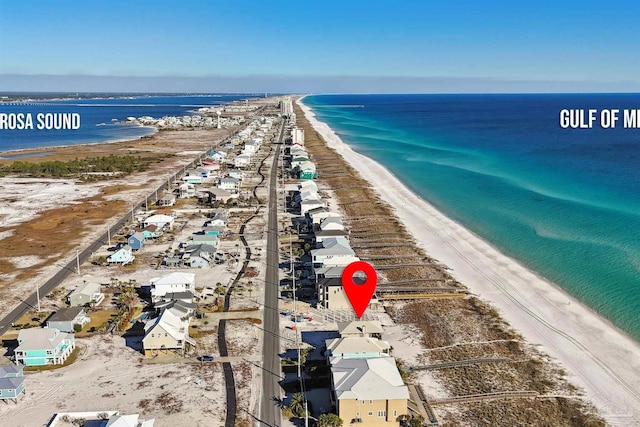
<point x="600" y="358"/>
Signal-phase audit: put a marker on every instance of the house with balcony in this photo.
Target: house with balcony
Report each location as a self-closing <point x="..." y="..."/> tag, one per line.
<point x="11" y="382"/>
<point x="230" y="184"/>
<point x="167" y="333"/>
<point x="361" y="328"/>
<point x="335" y="252"/>
<point x="368" y="392"/>
<point x="123" y="256"/>
<point x="172" y="282"/>
<point x="353" y="347"/>
<point x="43" y="346"/>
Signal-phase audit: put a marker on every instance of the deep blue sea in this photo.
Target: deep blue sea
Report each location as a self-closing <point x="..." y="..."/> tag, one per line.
<point x="96" y="111"/>
<point x="564" y="202"/>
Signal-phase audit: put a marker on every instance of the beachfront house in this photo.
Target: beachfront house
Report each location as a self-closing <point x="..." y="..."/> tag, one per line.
<point x="306" y="194"/>
<point x="331" y="295"/>
<point x="66" y="318"/>
<point x="43" y="346"/>
<point x="166" y="333"/>
<point x="136" y="241"/>
<point x="173" y="282"/>
<point x="123" y="256"/>
<point x="307" y="205"/>
<point x="360" y="328"/>
<point x="297" y="136"/>
<point x="335" y="252"/>
<point x="331" y="223"/>
<point x="11" y="382"/>
<point x="87" y="294"/>
<point x="318" y="215"/>
<point x="368" y="392"/>
<point x="308" y="186"/>
<point x="321" y="235"/>
<point x="356" y="347"/>
<point x="307" y="170"/>
<point x="330" y="226"/>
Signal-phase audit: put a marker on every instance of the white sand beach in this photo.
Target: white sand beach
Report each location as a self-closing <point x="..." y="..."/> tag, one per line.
<point x="597" y="356"/>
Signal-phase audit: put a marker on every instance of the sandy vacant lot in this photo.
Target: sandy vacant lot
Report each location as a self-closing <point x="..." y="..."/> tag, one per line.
<point x="178" y="394"/>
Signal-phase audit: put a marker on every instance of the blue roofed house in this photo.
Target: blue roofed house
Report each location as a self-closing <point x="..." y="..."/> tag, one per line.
<point x="136" y="241"/>
<point x="43" y="346"/>
<point x="11" y="382"/>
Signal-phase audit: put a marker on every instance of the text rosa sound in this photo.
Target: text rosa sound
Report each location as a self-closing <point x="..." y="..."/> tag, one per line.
<point x="43" y="121"/>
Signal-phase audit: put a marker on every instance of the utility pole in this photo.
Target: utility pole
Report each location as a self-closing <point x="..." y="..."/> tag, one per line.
<point x="109" y="235"/>
<point x="78" y="261"/>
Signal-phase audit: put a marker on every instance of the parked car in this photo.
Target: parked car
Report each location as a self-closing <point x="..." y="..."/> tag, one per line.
<point x="205" y="358"/>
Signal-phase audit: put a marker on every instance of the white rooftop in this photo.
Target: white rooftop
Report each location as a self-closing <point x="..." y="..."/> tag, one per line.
<point x="173" y="278"/>
<point x="40" y="339"/>
<point x="87" y="289"/>
<point x="367" y="379"/>
<point x="360" y="327"/>
<point x="354" y="346"/>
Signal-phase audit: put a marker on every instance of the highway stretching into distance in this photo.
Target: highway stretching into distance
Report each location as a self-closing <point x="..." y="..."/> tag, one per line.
<point x="270" y="414"/>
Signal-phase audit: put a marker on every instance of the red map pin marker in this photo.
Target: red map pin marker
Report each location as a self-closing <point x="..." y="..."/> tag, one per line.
<point x="359" y="294"/>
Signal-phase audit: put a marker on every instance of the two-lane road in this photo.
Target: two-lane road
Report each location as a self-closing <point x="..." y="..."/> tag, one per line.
<point x="270" y="414"/>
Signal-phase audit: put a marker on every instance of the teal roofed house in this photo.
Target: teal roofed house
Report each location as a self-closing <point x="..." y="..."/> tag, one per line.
<point x="308" y="170"/>
<point x="123" y="256"/>
<point x="43" y="346"/>
<point x="11" y="382"/>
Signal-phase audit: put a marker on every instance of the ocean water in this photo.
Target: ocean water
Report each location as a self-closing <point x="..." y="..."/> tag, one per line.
<point x="96" y="111"/>
<point x="564" y="202"/>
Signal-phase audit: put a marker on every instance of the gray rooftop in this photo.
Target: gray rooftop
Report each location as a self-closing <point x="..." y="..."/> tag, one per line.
<point x="65" y="314"/>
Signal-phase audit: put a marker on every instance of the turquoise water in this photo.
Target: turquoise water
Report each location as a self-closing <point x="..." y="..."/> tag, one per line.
<point x="564" y="202"/>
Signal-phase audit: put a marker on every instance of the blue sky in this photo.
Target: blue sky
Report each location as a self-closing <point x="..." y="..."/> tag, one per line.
<point x="326" y="46"/>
